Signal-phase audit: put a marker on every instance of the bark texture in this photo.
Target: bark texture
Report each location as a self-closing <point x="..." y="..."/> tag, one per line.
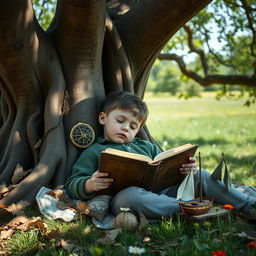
<point x="51" y="80"/>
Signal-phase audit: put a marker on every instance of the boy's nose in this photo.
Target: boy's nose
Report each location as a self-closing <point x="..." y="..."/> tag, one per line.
<point x="125" y="128"/>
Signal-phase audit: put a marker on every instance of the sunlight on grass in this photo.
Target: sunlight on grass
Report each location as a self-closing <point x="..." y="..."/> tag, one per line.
<point x="216" y="126"/>
<point x="24" y="243"/>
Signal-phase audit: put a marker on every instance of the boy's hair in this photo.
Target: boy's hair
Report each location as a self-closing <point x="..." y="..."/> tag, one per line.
<point x="126" y="101"/>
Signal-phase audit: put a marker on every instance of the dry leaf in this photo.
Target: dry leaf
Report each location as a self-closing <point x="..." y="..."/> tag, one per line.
<point x="6" y="234"/>
<point x="19" y="220"/>
<point x="4" y="253"/>
<point x="83" y="208"/>
<point x="17" y="209"/>
<point x="36" y="222"/>
<point x="56" y="193"/>
<point x="64" y="201"/>
<point x="4" y="190"/>
<point x="110" y="237"/>
<point x="53" y="234"/>
<point x="146" y="239"/>
<point x="67" y="245"/>
<point x="59" y="187"/>
<point x="19" y="174"/>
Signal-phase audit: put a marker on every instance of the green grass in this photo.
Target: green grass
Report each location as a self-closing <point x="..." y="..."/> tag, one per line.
<point x="216" y="126"/>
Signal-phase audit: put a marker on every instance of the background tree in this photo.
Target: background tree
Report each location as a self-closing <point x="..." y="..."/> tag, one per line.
<point x="222" y="42"/>
<point x="50" y="80"/>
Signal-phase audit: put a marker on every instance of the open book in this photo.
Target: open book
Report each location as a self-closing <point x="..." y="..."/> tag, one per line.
<point x="130" y="169"/>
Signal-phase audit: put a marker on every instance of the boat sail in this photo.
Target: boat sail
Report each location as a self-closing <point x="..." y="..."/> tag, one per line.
<point x="190" y="205"/>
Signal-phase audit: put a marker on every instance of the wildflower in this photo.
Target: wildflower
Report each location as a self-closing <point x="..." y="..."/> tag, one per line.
<point x="207" y="224"/>
<point x="218" y="253"/>
<point x="196" y="225"/>
<point x="136" y="250"/>
<point x="228" y="207"/>
<point x="123" y="209"/>
<point x="252" y="245"/>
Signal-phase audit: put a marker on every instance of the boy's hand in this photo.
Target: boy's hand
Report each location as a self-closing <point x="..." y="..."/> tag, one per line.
<point x="97" y="182"/>
<point x="192" y="166"/>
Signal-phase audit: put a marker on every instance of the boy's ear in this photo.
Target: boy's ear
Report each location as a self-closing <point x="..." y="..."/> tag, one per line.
<point x="102" y="117"/>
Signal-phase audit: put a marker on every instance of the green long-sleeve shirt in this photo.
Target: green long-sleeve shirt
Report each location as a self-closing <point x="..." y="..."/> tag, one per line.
<point x="88" y="162"/>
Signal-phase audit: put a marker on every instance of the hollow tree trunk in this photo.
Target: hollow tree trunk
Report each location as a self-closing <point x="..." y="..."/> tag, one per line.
<point x="50" y="80"/>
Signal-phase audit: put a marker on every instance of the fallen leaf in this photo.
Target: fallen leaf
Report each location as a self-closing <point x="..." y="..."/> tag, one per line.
<point x="82" y="208"/>
<point x="110" y="237"/>
<point x="59" y="187"/>
<point x="64" y="201"/>
<point x="17" y="221"/>
<point x="4" y="253"/>
<point x="56" y="193"/>
<point x="6" y="234"/>
<point x="4" y="190"/>
<point x="146" y="239"/>
<point x="67" y="245"/>
<point x="19" y="174"/>
<point x="53" y="234"/>
<point x="35" y="222"/>
<point x="17" y="209"/>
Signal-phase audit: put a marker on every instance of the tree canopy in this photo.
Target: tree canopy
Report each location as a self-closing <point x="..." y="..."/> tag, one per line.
<point x="218" y="46"/>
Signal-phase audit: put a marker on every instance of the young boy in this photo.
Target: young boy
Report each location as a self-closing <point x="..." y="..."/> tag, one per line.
<point x="122" y="117"/>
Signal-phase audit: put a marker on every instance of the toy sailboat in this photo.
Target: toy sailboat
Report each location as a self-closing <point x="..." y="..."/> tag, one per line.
<point x="189" y="204"/>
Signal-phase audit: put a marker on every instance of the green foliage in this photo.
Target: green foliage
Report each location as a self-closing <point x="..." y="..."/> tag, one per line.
<point x="166" y="77"/>
<point x="44" y="10"/>
<point x="225" y="31"/>
<point x="24" y="243"/>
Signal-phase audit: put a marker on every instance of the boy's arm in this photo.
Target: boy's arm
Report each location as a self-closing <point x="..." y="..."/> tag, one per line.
<point x="82" y="170"/>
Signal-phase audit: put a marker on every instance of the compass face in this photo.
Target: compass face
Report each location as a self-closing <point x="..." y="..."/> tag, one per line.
<point x="82" y="135"/>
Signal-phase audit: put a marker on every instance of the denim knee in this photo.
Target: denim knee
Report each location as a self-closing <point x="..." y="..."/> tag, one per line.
<point x="127" y="198"/>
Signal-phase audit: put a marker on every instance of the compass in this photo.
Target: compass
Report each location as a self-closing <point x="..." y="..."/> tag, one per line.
<point x="82" y="135"/>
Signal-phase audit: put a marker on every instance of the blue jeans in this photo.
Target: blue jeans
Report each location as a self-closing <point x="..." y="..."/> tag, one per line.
<point x="155" y="205"/>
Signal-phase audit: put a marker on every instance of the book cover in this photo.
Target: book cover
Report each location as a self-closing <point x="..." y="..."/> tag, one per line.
<point x="129" y="169"/>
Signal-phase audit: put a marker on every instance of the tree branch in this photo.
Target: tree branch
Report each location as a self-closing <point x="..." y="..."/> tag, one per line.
<point x="196" y="50"/>
<point x="144" y="38"/>
<point x="246" y="80"/>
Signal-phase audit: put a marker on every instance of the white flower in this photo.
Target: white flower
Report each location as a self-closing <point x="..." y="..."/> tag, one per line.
<point x="122" y="209"/>
<point x="136" y="250"/>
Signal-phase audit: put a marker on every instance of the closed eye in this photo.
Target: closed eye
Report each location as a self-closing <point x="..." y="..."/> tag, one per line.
<point x="120" y="121"/>
<point x="134" y="126"/>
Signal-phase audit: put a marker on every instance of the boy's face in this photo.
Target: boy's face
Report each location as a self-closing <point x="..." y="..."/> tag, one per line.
<point x="120" y="126"/>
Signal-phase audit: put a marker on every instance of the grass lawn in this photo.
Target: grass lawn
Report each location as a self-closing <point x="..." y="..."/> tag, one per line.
<point x="216" y="126"/>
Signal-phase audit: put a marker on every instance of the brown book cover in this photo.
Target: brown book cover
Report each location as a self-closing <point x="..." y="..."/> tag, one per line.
<point x="129" y="169"/>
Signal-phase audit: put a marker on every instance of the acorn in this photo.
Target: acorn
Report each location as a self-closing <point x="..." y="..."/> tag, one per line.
<point x="126" y="220"/>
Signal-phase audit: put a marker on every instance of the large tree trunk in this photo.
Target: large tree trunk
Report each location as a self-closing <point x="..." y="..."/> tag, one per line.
<point x="50" y="80"/>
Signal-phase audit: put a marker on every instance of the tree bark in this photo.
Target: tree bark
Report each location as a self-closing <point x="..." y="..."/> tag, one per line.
<point x="51" y="80"/>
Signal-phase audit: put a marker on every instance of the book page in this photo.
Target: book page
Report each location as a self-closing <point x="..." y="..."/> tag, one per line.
<point x="127" y="154"/>
<point x="172" y="152"/>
